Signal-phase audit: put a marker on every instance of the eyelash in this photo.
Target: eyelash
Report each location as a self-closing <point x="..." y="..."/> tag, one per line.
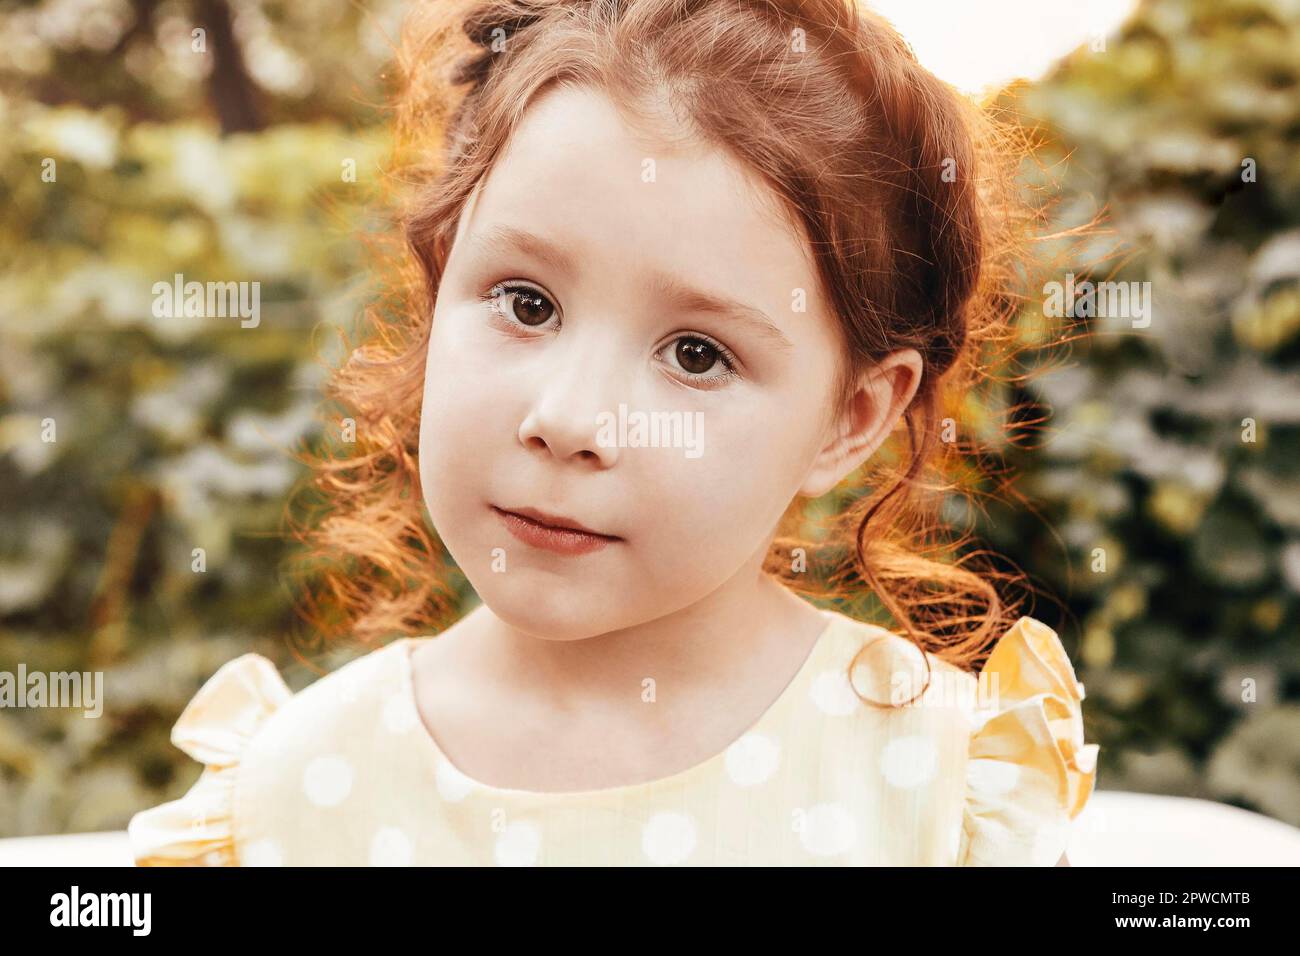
<point x="725" y="355"/>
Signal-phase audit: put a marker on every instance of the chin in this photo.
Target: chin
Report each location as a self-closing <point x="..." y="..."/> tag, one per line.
<point x="547" y="618"/>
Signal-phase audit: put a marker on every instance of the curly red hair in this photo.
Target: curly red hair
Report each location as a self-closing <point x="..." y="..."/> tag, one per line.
<point x="905" y="191"/>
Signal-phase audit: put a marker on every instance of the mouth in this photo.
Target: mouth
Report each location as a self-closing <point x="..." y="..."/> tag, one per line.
<point x="552" y="532"/>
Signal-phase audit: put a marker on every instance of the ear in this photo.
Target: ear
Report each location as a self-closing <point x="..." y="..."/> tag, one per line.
<point x="882" y="395"/>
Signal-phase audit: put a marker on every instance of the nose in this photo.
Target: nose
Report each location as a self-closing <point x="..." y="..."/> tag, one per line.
<point x="565" y="417"/>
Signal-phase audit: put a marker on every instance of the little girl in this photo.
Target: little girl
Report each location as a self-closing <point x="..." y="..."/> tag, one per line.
<point x="756" y="224"/>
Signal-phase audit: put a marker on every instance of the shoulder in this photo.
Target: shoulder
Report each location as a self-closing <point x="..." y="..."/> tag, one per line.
<point x="334" y="700"/>
<point x="898" y="708"/>
<point x="251" y="733"/>
<point x="1007" y="742"/>
<point x="331" y="724"/>
<point x="888" y="669"/>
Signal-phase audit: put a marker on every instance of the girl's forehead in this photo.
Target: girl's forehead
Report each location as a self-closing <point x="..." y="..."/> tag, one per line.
<point x="577" y="171"/>
<point x="576" y="140"/>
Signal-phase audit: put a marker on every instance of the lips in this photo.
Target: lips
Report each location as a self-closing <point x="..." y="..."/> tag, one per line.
<point x="555" y="521"/>
<point x="552" y="532"/>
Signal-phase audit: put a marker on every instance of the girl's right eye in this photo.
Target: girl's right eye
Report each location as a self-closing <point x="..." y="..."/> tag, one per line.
<point x="519" y="303"/>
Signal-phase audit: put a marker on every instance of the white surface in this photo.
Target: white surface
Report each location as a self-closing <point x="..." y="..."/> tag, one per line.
<point x="1115" y="829"/>
<point x="72" y="849"/>
<point x="1140" y="829"/>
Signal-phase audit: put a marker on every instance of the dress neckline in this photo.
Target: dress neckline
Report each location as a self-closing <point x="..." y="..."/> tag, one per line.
<point x="797" y="685"/>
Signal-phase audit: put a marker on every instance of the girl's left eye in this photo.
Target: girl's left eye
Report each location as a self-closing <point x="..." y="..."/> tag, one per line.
<point x="695" y="354"/>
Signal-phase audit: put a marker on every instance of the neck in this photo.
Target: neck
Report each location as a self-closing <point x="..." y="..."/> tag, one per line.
<point x="747" y="628"/>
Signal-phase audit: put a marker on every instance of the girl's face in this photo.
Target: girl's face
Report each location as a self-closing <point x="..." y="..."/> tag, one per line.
<point x="598" y="276"/>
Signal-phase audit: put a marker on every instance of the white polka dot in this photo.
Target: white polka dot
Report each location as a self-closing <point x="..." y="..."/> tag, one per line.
<point x="399" y="716"/>
<point x="262" y="852"/>
<point x="752" y="759"/>
<point x="519" y="845"/>
<point x="327" y="780"/>
<point x="833" y="694"/>
<point x="668" y="838"/>
<point x="453" y="785"/>
<point x="909" y="761"/>
<point x="993" y="777"/>
<point x="391" y="847"/>
<point x="828" y="829"/>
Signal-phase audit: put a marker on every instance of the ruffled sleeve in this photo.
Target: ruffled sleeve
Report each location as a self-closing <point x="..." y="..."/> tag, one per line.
<point x="214" y="729"/>
<point x="1030" y="773"/>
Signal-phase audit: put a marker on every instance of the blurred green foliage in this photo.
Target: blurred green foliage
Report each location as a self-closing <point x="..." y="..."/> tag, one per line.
<point x="174" y="434"/>
<point x="1168" y="467"/>
<point x="171" y="434"/>
<point x="123" y="167"/>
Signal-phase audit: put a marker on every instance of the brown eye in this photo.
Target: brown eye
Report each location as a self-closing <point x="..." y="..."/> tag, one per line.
<point x="529" y="306"/>
<point x="695" y="355"/>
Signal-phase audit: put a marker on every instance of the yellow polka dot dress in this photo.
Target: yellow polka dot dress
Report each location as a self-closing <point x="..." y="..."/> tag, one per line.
<point x="977" y="771"/>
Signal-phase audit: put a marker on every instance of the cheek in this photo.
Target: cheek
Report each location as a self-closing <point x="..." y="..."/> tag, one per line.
<point x="455" y="415"/>
<point x="715" y="510"/>
<point x="461" y="384"/>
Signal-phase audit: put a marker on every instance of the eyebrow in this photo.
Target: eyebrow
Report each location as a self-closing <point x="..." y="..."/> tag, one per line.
<point x="503" y="238"/>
